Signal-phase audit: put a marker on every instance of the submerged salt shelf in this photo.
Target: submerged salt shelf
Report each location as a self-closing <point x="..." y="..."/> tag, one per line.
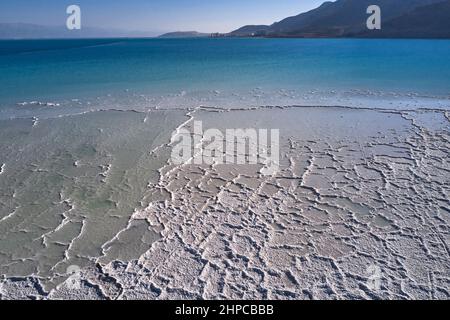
<point x="56" y="214"/>
<point x="358" y="190"/>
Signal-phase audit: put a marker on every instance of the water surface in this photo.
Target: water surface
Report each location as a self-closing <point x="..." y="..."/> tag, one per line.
<point x="237" y="69"/>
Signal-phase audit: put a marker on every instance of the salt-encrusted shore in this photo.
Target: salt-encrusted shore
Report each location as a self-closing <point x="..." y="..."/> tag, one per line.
<point x="359" y="209"/>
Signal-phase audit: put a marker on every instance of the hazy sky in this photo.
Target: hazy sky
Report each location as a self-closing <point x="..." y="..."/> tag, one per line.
<point x="157" y="15"/>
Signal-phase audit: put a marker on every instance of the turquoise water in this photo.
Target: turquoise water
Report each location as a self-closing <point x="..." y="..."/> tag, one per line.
<point x="68" y="69"/>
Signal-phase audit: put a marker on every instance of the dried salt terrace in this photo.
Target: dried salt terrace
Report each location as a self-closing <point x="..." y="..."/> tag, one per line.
<point x="359" y="210"/>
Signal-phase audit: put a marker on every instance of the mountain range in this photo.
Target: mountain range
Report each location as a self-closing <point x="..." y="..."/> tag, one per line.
<point x="347" y="18"/>
<point x="33" y="31"/>
<point x="341" y="18"/>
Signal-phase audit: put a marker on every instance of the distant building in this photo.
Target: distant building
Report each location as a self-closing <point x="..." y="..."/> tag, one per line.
<point x="218" y="35"/>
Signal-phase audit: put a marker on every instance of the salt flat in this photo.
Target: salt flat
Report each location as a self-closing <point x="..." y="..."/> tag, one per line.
<point x="359" y="209"/>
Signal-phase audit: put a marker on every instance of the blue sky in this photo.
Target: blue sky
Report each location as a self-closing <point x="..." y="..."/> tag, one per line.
<point x="156" y="15"/>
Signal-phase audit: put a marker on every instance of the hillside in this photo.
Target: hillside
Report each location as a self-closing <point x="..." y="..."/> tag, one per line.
<point x="432" y="21"/>
<point x="345" y="18"/>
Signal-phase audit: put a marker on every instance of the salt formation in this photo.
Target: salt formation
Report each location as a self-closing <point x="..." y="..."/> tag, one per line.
<point x="359" y="209"/>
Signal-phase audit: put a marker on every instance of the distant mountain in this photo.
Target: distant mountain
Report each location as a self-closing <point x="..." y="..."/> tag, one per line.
<point x="32" y="31"/>
<point x="432" y="21"/>
<point x="184" y="34"/>
<point x="345" y="18"/>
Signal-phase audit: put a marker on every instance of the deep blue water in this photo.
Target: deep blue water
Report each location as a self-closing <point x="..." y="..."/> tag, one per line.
<point x="54" y="69"/>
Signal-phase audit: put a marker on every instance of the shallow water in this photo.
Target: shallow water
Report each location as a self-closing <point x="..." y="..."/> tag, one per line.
<point x="70" y="184"/>
<point x="223" y="72"/>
